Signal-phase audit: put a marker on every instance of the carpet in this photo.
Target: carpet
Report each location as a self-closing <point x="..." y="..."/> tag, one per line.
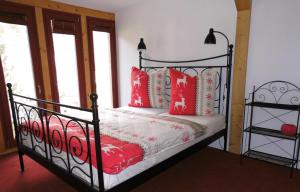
<point x="208" y="170"/>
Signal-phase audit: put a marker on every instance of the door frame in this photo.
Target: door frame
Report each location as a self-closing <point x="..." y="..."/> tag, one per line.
<point x="97" y="24"/>
<point x="48" y="16"/>
<point x="5" y="118"/>
<point x="29" y="12"/>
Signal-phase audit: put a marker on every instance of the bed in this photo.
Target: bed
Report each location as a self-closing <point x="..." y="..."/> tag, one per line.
<point x="75" y="147"/>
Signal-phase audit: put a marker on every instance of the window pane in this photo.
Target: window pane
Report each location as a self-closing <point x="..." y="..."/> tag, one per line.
<point x="16" y="58"/>
<point x="16" y="62"/>
<point x="66" y="69"/>
<point x="103" y="68"/>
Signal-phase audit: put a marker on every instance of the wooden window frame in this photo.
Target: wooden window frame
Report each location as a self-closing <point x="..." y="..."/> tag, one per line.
<point x="30" y="22"/>
<point x="48" y="16"/>
<point x="97" y="24"/>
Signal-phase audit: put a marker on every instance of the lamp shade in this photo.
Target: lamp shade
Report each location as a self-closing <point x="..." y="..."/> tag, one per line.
<point x="210" y="38"/>
<point x="141" y="45"/>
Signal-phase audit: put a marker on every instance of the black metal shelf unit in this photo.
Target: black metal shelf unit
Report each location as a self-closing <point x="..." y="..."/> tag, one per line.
<point x="274" y="95"/>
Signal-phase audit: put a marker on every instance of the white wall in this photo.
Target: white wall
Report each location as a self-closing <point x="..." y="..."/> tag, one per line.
<point x="274" y="47"/>
<point x="172" y="29"/>
<point x="274" y="52"/>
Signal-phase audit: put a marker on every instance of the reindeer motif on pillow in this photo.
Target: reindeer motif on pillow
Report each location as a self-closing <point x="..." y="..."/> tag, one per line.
<point x="180" y="104"/>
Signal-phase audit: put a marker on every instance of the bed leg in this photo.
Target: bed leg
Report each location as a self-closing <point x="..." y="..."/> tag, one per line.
<point x="225" y="142"/>
<point x="21" y="161"/>
<point x="15" y="123"/>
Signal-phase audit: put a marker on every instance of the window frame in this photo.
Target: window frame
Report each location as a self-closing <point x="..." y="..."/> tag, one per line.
<point x="69" y="17"/>
<point x="97" y="24"/>
<point x="30" y="22"/>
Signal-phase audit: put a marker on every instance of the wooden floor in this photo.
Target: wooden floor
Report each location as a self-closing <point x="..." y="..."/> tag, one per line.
<point x="209" y="170"/>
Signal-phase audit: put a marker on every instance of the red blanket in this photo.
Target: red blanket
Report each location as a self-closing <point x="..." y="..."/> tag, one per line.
<point x="117" y="155"/>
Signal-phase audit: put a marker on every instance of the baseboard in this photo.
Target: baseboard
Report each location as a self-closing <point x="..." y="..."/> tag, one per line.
<point x="7" y="151"/>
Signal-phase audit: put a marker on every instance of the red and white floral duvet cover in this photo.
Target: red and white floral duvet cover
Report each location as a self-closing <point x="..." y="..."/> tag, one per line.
<point x="126" y="137"/>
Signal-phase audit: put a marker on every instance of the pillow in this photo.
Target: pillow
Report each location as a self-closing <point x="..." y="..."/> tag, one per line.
<point x="206" y="92"/>
<point x="192" y="95"/>
<point x="183" y="93"/>
<point x="148" y="89"/>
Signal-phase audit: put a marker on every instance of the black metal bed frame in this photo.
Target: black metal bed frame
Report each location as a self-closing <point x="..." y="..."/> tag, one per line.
<point x="47" y="154"/>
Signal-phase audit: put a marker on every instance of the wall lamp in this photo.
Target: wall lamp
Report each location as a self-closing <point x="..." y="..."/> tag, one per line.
<point x="141" y="45"/>
<point x="211" y="39"/>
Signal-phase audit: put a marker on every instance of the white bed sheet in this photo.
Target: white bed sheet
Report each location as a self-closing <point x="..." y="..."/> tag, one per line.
<point x="214" y="124"/>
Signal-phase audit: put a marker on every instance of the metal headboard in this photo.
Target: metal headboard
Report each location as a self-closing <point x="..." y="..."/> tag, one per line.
<point x="223" y="87"/>
<point x="223" y="74"/>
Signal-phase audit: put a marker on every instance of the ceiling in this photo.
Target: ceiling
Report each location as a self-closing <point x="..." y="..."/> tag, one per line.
<point x="103" y="5"/>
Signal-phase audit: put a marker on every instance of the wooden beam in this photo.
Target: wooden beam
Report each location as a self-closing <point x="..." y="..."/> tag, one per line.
<point x="67" y="8"/>
<point x="86" y="59"/>
<point x="242" y="5"/>
<point x="239" y="79"/>
<point x="43" y="51"/>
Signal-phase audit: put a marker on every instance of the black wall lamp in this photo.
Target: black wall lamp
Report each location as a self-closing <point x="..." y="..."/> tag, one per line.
<point x="141" y="45"/>
<point x="211" y="38"/>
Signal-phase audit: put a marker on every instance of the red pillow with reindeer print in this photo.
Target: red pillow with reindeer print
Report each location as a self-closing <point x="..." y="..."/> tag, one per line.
<point x="148" y="89"/>
<point x="183" y="93"/>
<point x="139" y="88"/>
<point x="193" y="95"/>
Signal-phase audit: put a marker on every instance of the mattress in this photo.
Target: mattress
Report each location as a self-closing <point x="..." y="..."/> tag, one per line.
<point x="213" y="124"/>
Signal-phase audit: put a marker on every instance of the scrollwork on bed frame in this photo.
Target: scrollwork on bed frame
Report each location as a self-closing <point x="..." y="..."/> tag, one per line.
<point x="36" y="133"/>
<point x="60" y="147"/>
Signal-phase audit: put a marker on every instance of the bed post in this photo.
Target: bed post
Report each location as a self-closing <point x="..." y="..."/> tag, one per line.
<point x="140" y="59"/>
<point x="228" y="87"/>
<point x="96" y="121"/>
<point x="13" y="111"/>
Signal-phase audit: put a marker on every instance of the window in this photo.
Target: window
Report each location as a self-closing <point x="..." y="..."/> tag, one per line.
<point x="67" y="94"/>
<point x="20" y="61"/>
<point x="101" y="41"/>
<point x="65" y="55"/>
<point x="102" y="46"/>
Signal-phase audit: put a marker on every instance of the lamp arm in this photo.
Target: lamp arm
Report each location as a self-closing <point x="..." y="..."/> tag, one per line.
<point x="224" y="36"/>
